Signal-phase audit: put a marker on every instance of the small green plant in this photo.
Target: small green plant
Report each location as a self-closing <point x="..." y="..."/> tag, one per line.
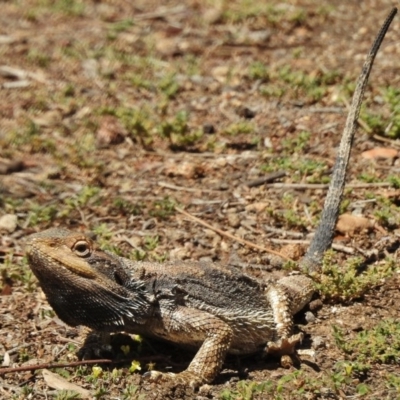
<point x="24" y="355"/>
<point x="245" y="390"/>
<point x="42" y="214"/>
<point x="27" y="391"/>
<point x="63" y="372"/>
<point x="101" y="393"/>
<point x="138" y="255"/>
<point x="132" y="392"/>
<point x="38" y="58"/>
<point x="237" y="128"/>
<point x="29" y="136"/>
<point x="11" y="271"/>
<point x="125" y="207"/>
<point x="240" y="10"/>
<point x="103" y="233"/>
<point x="347" y="282"/>
<point x="345" y="375"/>
<point x="387" y="213"/>
<point x="273" y="90"/>
<point x="151" y="242"/>
<point x="344" y="206"/>
<point x="86" y="196"/>
<point x="392" y="96"/>
<point x="258" y="71"/>
<point x="380" y="344"/>
<point x="169" y="86"/>
<point x="177" y="131"/>
<point x="115" y="28"/>
<point x="69" y="7"/>
<point x="377" y="122"/>
<point x="393" y="383"/>
<point x="367" y="177"/>
<point x="163" y="208"/>
<point x="138" y="123"/>
<point x="299" y="84"/>
<point x="394" y="181"/>
<point x="299" y="168"/>
<point x="297" y="144"/>
<point x="295" y="385"/>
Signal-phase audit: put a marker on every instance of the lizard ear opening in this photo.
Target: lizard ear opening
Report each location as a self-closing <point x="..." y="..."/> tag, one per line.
<point x="118" y="279"/>
<point x="81" y="248"/>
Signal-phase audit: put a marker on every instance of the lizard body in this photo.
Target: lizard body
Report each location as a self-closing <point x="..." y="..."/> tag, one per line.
<point x="212" y="307"/>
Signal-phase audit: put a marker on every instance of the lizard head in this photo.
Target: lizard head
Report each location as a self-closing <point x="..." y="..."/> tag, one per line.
<point x="83" y="284"/>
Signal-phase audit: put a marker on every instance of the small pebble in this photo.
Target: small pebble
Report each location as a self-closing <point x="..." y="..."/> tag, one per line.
<point x="310" y="317"/>
<point x="318" y="342"/>
<point x="8" y="222"/>
<point x="233" y="220"/>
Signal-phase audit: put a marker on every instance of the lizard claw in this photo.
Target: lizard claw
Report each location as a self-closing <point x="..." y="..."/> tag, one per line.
<point x="157" y="376"/>
<point x="184" y="378"/>
<point x="286" y="348"/>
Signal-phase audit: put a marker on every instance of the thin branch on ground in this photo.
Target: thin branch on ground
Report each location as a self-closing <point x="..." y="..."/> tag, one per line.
<point x="50" y="365"/>
<point x="266" y="179"/>
<point x="316" y="186"/>
<point x="335" y="246"/>
<point x="183" y="188"/>
<point x="233" y="237"/>
<point x="35" y="367"/>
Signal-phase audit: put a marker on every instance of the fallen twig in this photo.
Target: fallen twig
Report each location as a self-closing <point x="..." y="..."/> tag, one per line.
<point x="50" y="365"/>
<point x="335" y="246"/>
<point x="35" y="367"/>
<point x="283" y="232"/>
<point x="393" y="143"/>
<point x="229" y="235"/>
<point x="183" y="188"/>
<point x="315" y="186"/>
<point x="266" y="179"/>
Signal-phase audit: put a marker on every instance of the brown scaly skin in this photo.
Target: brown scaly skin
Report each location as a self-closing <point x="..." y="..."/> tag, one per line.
<point x="211" y="307"/>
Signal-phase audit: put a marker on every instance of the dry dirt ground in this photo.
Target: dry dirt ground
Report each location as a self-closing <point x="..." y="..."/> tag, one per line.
<point x="115" y="112"/>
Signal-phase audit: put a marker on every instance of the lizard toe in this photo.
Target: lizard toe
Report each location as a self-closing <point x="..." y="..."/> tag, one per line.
<point x="284" y="346"/>
<point x="286" y="349"/>
<point x="183" y="378"/>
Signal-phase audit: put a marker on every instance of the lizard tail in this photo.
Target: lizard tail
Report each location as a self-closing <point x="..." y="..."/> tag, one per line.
<point x="323" y="237"/>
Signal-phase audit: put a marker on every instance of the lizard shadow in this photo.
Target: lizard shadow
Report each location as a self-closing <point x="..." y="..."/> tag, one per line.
<point x="123" y="348"/>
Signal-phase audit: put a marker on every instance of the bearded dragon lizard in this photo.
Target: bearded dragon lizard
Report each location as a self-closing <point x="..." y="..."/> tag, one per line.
<point x="211" y="307"/>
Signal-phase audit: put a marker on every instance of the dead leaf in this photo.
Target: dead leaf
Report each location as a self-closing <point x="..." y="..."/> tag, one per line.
<point x="349" y="224"/>
<point x="55" y="381"/>
<point x="379" y="152"/>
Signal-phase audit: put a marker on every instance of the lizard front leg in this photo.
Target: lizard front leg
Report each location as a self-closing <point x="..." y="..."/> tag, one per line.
<point x="288" y="296"/>
<point x="190" y="326"/>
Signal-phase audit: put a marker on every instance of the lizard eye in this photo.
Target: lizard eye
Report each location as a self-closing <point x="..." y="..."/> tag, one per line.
<point x="81" y="248"/>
